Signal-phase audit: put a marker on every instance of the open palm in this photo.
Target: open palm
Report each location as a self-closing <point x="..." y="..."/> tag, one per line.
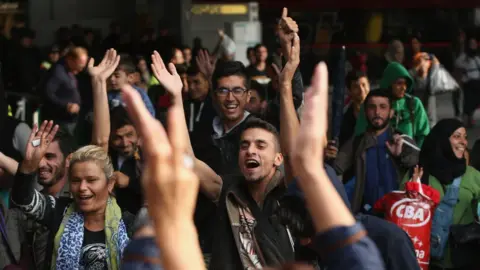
<point x="206" y="63"/>
<point x="106" y="67"/>
<point x="171" y="188"/>
<point x="168" y="79"/>
<point x="41" y="137"/>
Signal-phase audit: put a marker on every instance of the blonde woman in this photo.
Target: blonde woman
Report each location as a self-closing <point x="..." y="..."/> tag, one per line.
<point x="87" y="231"/>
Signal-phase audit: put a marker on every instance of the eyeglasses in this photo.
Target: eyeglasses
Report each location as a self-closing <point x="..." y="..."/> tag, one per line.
<point x="237" y="91"/>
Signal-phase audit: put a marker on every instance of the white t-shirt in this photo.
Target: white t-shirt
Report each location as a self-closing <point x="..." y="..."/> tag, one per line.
<point x="469" y="66"/>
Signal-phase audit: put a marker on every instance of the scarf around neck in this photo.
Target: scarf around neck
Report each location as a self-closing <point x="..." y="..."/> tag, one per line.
<point x="69" y="238"/>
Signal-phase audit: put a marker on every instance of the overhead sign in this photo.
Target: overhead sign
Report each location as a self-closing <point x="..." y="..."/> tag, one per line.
<point x="214" y="9"/>
<point x="8" y="6"/>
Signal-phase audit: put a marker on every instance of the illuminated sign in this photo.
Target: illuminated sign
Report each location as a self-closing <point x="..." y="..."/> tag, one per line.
<point x="9" y="6"/>
<point x="226" y="9"/>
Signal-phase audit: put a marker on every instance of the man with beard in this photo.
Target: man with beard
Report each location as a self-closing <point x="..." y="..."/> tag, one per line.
<point x="410" y="117"/>
<point x="125" y="154"/>
<point x="379" y="157"/>
<point x="31" y="238"/>
<point x="245" y="237"/>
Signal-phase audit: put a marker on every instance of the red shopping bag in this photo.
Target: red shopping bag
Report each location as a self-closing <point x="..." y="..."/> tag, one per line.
<point x="412" y="210"/>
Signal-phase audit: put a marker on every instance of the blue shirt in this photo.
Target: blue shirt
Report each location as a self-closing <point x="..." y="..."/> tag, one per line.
<point x="381" y="176"/>
<point x="115" y="99"/>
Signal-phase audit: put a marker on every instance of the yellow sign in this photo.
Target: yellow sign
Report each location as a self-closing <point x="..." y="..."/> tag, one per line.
<point x="227" y="9"/>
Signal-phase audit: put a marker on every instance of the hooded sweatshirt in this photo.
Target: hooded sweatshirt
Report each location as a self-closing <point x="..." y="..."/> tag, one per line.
<point x="402" y="119"/>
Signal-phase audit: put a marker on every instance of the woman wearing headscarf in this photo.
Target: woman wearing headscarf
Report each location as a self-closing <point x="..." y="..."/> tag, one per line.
<point x="88" y="230"/>
<point x="443" y="161"/>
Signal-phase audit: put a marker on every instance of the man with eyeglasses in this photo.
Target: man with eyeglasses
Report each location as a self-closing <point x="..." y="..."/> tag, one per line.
<point x="230" y="96"/>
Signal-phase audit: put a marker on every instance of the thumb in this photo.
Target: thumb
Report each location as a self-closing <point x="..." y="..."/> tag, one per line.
<point x="91" y="62"/>
<point x="172" y="69"/>
<point x="285" y="12"/>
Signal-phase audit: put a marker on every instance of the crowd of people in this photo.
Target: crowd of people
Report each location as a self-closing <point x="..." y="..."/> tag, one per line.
<point x="187" y="159"/>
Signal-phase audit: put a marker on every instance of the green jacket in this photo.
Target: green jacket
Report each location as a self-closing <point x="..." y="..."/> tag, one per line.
<point x="402" y="120"/>
<point x="463" y="212"/>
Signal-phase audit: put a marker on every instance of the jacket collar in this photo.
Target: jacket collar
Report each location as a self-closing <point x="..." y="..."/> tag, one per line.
<point x="218" y="129"/>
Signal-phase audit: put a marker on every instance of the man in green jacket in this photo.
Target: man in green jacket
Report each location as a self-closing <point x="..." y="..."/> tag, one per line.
<point x="410" y="117"/>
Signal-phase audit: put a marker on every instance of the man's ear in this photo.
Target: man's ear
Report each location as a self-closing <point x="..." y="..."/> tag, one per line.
<point x="67" y="161"/>
<point x="278" y="160"/>
<point x="131" y="78"/>
<point x="392" y="112"/>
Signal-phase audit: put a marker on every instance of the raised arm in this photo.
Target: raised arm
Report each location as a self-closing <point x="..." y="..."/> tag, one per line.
<point x="8" y="164"/>
<point x="210" y="182"/>
<point x="342" y="243"/>
<point x="285" y="28"/>
<point x="24" y="195"/>
<point x="289" y="123"/>
<point x="170" y="185"/>
<point x="101" y="113"/>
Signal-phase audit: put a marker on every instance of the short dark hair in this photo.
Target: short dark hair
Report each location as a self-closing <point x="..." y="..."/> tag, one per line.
<point x="353" y="76"/>
<point x="65" y="141"/>
<point x="119" y="118"/>
<point x="229" y="68"/>
<point x="139" y="58"/>
<point x="379" y="93"/>
<point x="260" y="88"/>
<point x="249" y="49"/>
<point x="127" y="66"/>
<point x="193" y="70"/>
<point x="258" y="46"/>
<point x="261" y="124"/>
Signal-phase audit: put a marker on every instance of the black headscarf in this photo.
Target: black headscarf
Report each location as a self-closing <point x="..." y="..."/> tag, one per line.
<point x="437" y="157"/>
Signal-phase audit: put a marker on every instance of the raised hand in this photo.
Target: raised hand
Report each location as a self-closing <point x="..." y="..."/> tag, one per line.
<point x="220" y="33"/>
<point x="308" y="152"/>
<point x="286" y="76"/>
<point x="395" y="148"/>
<point x="169" y="182"/>
<point x="206" y="63"/>
<point x="121" y="180"/>
<point x="285" y="30"/>
<point x="37" y="145"/>
<point x="417" y="174"/>
<point x="170" y="80"/>
<point x="106" y="67"/>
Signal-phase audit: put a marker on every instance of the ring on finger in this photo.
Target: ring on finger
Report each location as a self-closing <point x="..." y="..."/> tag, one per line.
<point x="36" y="142"/>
